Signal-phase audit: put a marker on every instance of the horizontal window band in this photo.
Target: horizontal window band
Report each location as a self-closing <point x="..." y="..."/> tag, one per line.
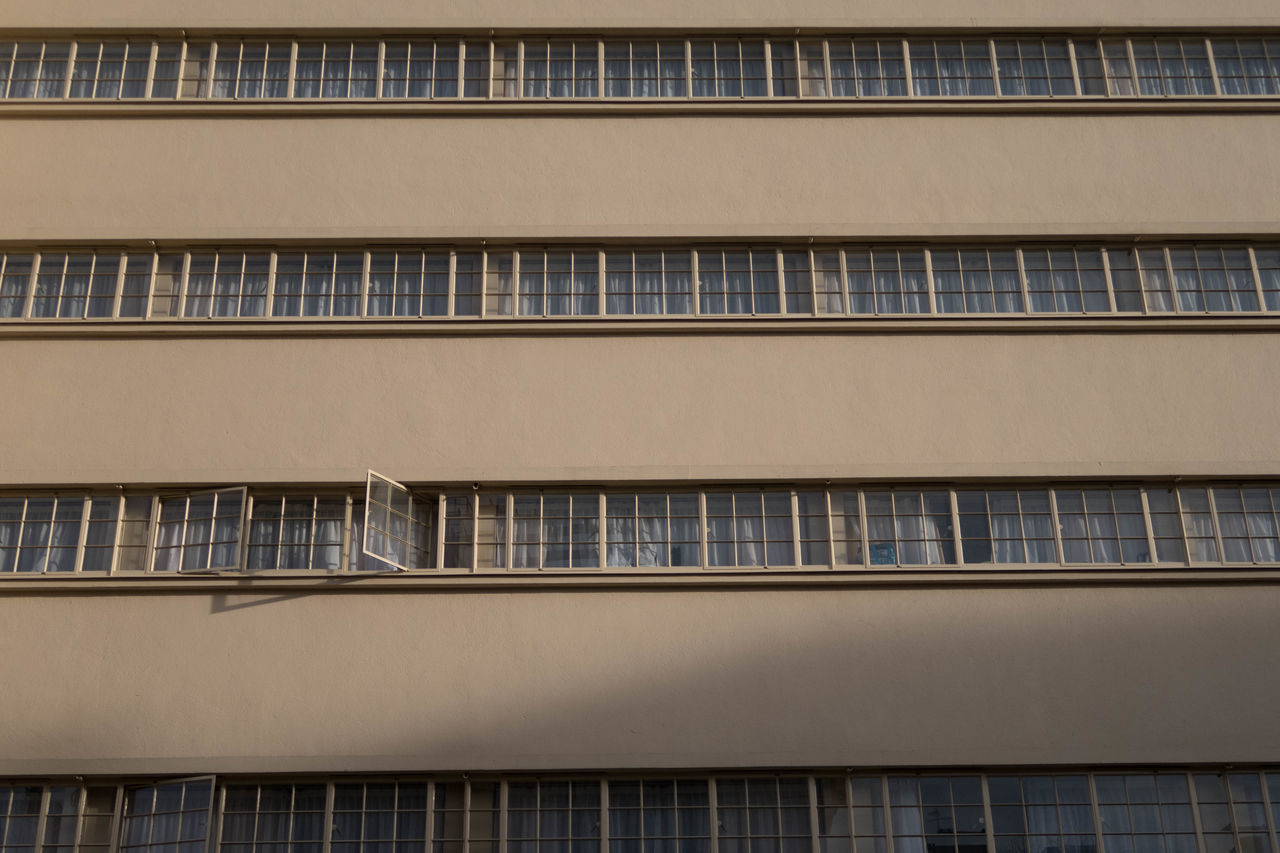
<point x="889" y="281"/>
<point x="687" y="529"/>
<point x="284" y="110"/>
<point x="725" y="66"/>
<point x="1081" y="809"/>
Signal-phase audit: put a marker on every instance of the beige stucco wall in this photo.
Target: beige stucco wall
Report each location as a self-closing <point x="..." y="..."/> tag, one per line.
<point x="637" y="679"/>
<point x="619" y="407"/>
<point x="588" y="14"/>
<point x="422" y="177"/>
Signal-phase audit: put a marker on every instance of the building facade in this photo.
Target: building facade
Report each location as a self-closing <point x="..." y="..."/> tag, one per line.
<point x="521" y="428"/>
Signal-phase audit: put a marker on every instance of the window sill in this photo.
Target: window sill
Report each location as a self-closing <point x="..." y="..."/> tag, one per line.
<point x="982" y="105"/>
<point x="961" y="576"/>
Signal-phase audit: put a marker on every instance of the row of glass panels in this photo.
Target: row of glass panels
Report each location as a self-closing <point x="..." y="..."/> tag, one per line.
<point x="728" y="67"/>
<point x="390" y="526"/>
<point x="1036" y="810"/>
<point x="443" y="282"/>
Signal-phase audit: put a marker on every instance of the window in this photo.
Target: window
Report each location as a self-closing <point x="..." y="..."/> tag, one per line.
<point x="977" y="282"/>
<point x="15" y="276"/>
<point x="318" y="284"/>
<point x="747" y="529"/>
<point x="559" y="283"/>
<point x="937" y="813"/>
<point x="951" y="67"/>
<point x="652" y="815"/>
<point x="552" y="817"/>
<point x="373" y="817"/>
<point x="444" y="282"/>
<point x="644" y="69"/>
<point x="227" y="285"/>
<point x="728" y="69"/>
<point x="422" y="69"/>
<point x="1102" y="526"/>
<point x="778" y="527"/>
<point x="296" y="532"/>
<point x="33" y="69"/>
<point x="723" y="67"/>
<point x="398" y="524"/>
<point x="887" y="281"/>
<point x="1232" y="812"/>
<point x="76" y="285"/>
<point x="336" y="70"/>
<point x="1042" y="813"/>
<point x="200" y="532"/>
<point x="867" y="68"/>
<point x="909" y="527"/>
<point x="1248" y="66"/>
<point x="278" y="817"/>
<point x="1213" y="280"/>
<point x="408" y="284"/>
<point x="111" y="70"/>
<point x="1034" y="67"/>
<point x="1145" y="811"/>
<point x="1067" y="281"/>
<point x="555" y="531"/>
<point x="173" y="816"/>
<point x="252" y="70"/>
<point x="57" y="534"/>
<point x="1006" y="526"/>
<point x="1159" y="66"/>
<point x="738" y="282"/>
<point x="648" y="283"/>
<point x="763" y="815"/>
<point x="560" y="69"/>
<point x="652" y="529"/>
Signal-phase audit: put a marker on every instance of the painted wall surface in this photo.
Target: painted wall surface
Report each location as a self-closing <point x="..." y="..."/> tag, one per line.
<point x="625" y="407"/>
<point x="405" y="178"/>
<point x="557" y="680"/>
<point x="588" y="14"/>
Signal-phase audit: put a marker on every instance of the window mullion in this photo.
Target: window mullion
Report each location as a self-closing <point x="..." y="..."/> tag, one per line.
<point x="509" y="562"/>
<point x="42" y="819"/>
<point x="293" y="71"/>
<point x="1194" y="802"/>
<point x="1182" y="523"/>
<point x="846" y="299"/>
<point x="1022" y="280"/>
<point x="1111" y="288"/>
<point x="31" y="285"/>
<point x="863" y="532"/>
<point x="1217" y="528"/>
<point x="1213" y="66"/>
<point x="715" y="814"/>
<point x="795" y="530"/>
<point x="955" y="526"/>
<point x="1257" y="279"/>
<point x="928" y="279"/>
<point x="440" y="525"/>
<point x="702" y="534"/>
<point x="906" y="66"/>
<point x="115" y="299"/>
<point x="1096" y="812"/>
<point x="814" y="824"/>
<point x="1133" y="67"/>
<point x="695" y="284"/>
<point x="1075" y="67"/>
<point x="85" y="503"/>
<point x="328" y="812"/>
<point x="1146" y="517"/>
<point x="996" y="87"/>
<point x="1057" y="527"/>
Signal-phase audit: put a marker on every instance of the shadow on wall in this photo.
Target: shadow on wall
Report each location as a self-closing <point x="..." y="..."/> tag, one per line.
<point x="415" y="681"/>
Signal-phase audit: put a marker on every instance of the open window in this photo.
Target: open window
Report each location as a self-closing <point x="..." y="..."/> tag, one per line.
<point x="398" y="524"/>
<point x="168" y="817"/>
<point x="200" y="531"/>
